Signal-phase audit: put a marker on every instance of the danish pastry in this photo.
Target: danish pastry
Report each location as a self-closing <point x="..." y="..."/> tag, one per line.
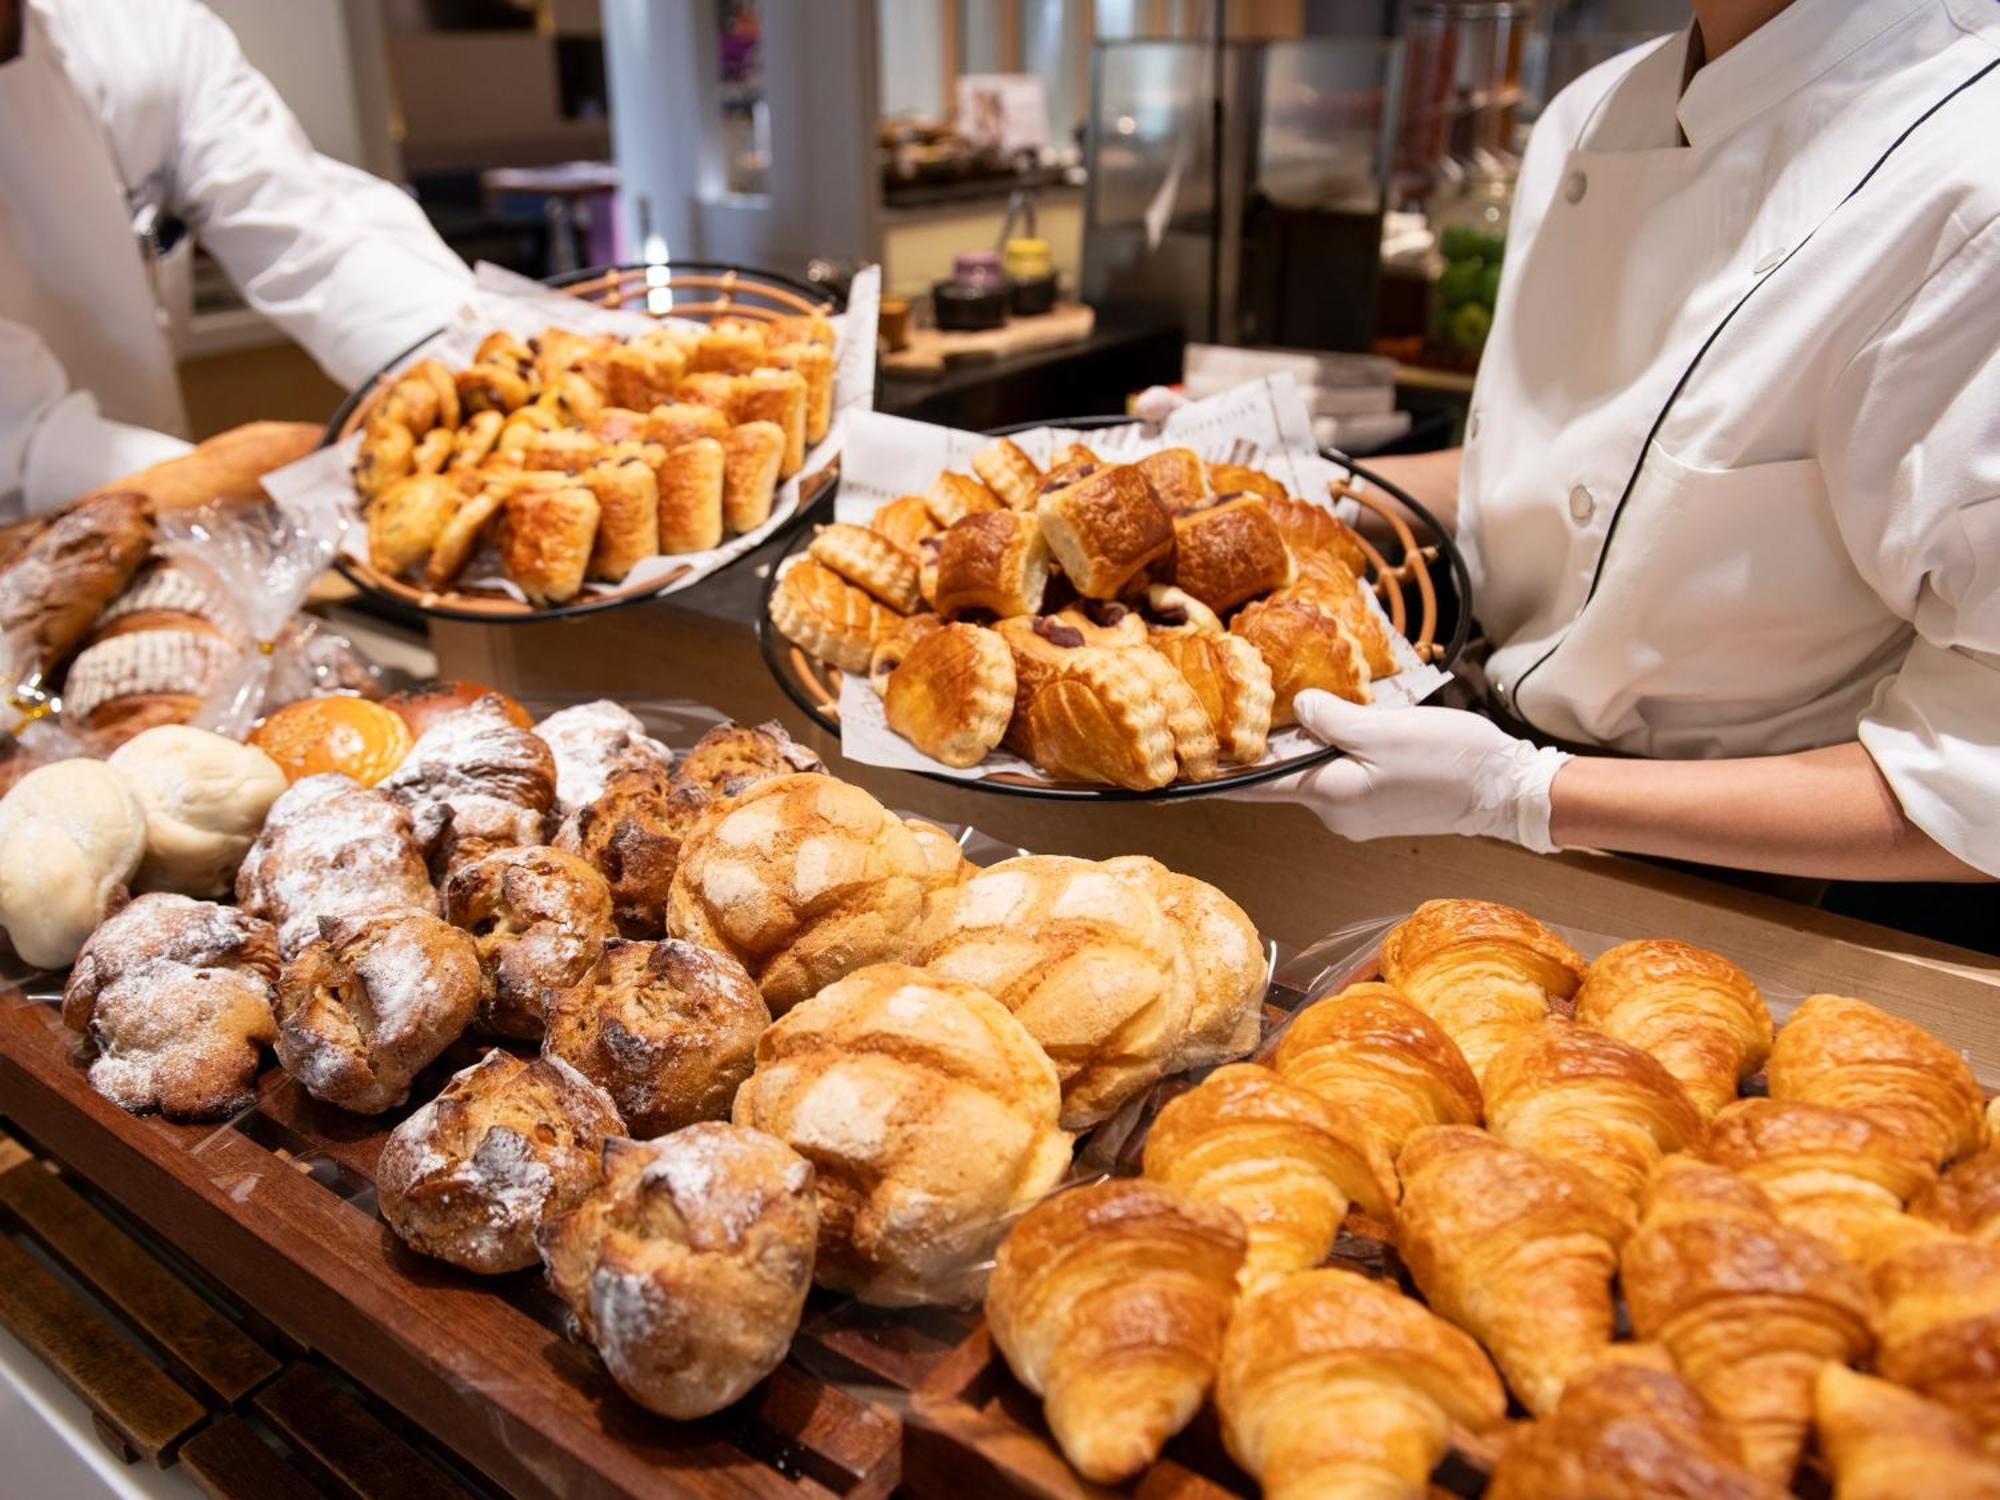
<point x="545" y="540"/>
<point x="487" y="387"/>
<point x="640" y="377"/>
<point x="1937" y="1327"/>
<point x="1227" y="957"/>
<point x="1197" y="751"/>
<point x="1231" y="682"/>
<point x="1698" y="1014"/>
<point x="890" y="651"/>
<point x="731" y="348"/>
<point x="1179" y="479"/>
<point x="1085" y="713"/>
<point x="678" y="423"/>
<point x="1167" y="610"/>
<point x="1240" y="479"/>
<point x="1305" y="648"/>
<point x="628" y="517"/>
<point x="930" y="1115"/>
<point x="368" y="1005"/>
<point x="826" y="616"/>
<point x="505" y="1145"/>
<point x="692" y="480"/>
<point x="1309" y="528"/>
<point x="688" y="1269"/>
<point x="953" y="497"/>
<point x="1087" y="961"/>
<point x="1109" y="1302"/>
<point x="953" y="695"/>
<point x="869" y="560"/>
<point x="667" y="1029"/>
<point x="1327" y="583"/>
<point x="1008" y="473"/>
<point x="561" y="450"/>
<point x="802" y="879"/>
<point x="1228" y="551"/>
<point x="388" y="454"/>
<point x="540" y="918"/>
<point x="994" y="560"/>
<point x="814" y="363"/>
<point x="461" y="534"/>
<point x="1966" y="1200"/>
<point x="778" y="397"/>
<point x="1104" y="529"/>
<point x="406" y="519"/>
<point x="752" y="456"/>
<point x="906" y="521"/>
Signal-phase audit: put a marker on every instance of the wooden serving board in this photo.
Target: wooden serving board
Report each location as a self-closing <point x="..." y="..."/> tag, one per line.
<point x="931" y="351"/>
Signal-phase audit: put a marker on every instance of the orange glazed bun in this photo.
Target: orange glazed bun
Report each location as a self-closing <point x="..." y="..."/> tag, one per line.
<point x="338" y="733"/>
<point x="422" y="706"/>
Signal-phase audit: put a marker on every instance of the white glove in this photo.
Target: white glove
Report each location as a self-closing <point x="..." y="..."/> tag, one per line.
<point x="1419" y="771"/>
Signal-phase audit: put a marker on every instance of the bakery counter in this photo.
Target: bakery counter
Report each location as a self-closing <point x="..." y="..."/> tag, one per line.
<point x="1295" y="879"/>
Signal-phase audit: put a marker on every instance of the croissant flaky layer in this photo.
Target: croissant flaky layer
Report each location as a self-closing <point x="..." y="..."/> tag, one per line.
<point x="1370" y="1049"/>
<point x="1335" y="1385"/>
<point x="1110" y="1303"/>
<point x="1937" y="1311"/>
<point x="1885" y="1443"/>
<point x="1695" y="1012"/>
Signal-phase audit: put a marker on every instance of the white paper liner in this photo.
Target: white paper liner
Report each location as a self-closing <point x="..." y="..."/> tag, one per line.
<point x="1262" y="425"/>
<point x="320" y="486"/>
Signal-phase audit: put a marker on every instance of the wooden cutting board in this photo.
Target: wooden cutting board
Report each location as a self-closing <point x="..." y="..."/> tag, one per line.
<point x="930" y="352"/>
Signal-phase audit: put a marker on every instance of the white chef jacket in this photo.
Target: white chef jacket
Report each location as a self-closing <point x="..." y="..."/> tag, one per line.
<point x="122" y="110"/>
<point x="1810" y="550"/>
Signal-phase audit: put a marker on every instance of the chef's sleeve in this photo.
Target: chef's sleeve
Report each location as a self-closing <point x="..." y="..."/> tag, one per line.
<point x="1910" y="446"/>
<point x="54" y="443"/>
<point x="344" y="262"/>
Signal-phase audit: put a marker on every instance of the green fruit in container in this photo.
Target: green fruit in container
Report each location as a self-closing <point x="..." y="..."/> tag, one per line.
<point x="1489" y="286"/>
<point x="1489" y="247"/>
<point x="1469" y="326"/>
<point x="1460" y="282"/>
<point x="1460" y="241"/>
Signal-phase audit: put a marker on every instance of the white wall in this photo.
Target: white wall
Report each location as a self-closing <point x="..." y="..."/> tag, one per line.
<point x="325" y="57"/>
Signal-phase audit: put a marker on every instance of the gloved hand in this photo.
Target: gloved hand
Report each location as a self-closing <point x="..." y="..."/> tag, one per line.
<point x="1419" y="771"/>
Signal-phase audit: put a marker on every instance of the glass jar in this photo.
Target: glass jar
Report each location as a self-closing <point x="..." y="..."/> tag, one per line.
<point x="1468" y="214"/>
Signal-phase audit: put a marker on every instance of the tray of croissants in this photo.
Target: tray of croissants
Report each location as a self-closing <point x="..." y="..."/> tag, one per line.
<point x="558" y="461"/>
<point x="744" y="1064"/>
<point x="1102" y="625"/>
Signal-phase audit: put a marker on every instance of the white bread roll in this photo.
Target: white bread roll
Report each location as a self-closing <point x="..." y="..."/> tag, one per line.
<point x="205" y="798"/>
<point x="71" y="836"/>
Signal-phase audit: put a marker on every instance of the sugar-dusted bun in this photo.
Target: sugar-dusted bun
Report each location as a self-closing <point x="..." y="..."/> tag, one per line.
<point x="590" y="741"/>
<point x="506" y="1145"/>
<point x="668" y="1029"/>
<point x="1087" y="961"/>
<point x="330" y="848"/>
<point x="632" y="835"/>
<point x="353" y="736"/>
<point x="206" y="797"/>
<point x="688" y="1269"/>
<point x="802" y="879"/>
<point x="71" y="835"/>
<point x="367" y="1007"/>
<point x="476" y="781"/>
<point x="422" y="706"/>
<point x="540" y="918"/>
<point x="931" y="1116"/>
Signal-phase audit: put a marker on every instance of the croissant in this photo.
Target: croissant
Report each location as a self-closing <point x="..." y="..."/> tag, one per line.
<point x="1480" y="970"/>
<point x="1966" y="1200"/>
<point x="1515" y="1248"/>
<point x="1749" y="1309"/>
<point x="1584" y="1097"/>
<point x="1828" y="1172"/>
<point x="1282" y="1160"/>
<point x="1628" y="1428"/>
<point x="1698" y="1014"/>
<point x="1885" y="1443"/>
<point x="1937" y="1327"/>
<point x="1397" y="1374"/>
<point x="1370" y="1049"/>
<point x="1110" y="1302"/>
<point x="1850" y="1055"/>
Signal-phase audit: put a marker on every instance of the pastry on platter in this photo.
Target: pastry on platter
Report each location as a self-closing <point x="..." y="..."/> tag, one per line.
<point x="953" y="497"/>
<point x="1695" y="1012"/>
<point x="1197" y="750"/>
<point x="1008" y="473"/>
<point x="540" y="918"/>
<point x="1326" y="582"/>
<point x="406" y="519"/>
<point x="628" y="517"/>
<point x="589" y="741"/>
<point x="506" y="1145"/>
<point x="476" y="781"/>
<point x="1309" y="528"/>
<point x="1167" y="610"/>
<point x="1305" y="648"/>
<point x="487" y="387"/>
<point x="693" y="480"/>
<point x="352" y="736"/>
<point x="802" y="879"/>
<point x="1104" y="529"/>
<point x="1325" y="1340"/>
<point x="1240" y="479"/>
<point x="826" y="616"/>
<point x="1230" y="968"/>
<point x="814" y="364"/>
<point x="1075" y="453"/>
<point x="930" y="1114"/>
<point x="667" y="1029"/>
<point x="1232" y="683"/>
<point x="1179" y="479"/>
<point x="631" y="833"/>
<point x="952" y="696"/>
<point x="1089" y="963"/>
<point x="1936" y="1307"/>
<point x="778" y="397"/>
<point x="545" y="539"/>
<point x="1085" y="713"/>
<point x="906" y="521"/>
<point x="891" y="649"/>
<point x="386" y="456"/>
<point x="461" y="535"/>
<point x="675" y="424"/>
<point x="331" y="849"/>
<point x="473" y="443"/>
<point x="371" y="1002"/>
<point x="1109" y="1302"/>
<point x="753" y="456"/>
<point x="1228" y="551"/>
<point x="175" y="996"/>
<point x="640" y="377"/>
<point x="869" y="560"/>
<point x="1104" y="622"/>
<point x="732" y="757"/>
<point x="561" y="450"/>
<point x="995" y="561"/>
<point x="730" y="348"/>
<point x="688" y="1267"/>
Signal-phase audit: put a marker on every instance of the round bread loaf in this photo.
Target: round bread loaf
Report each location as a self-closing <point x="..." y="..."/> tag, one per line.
<point x="71" y="836"/>
<point x="540" y="918"/>
<point x="206" y="797"/>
